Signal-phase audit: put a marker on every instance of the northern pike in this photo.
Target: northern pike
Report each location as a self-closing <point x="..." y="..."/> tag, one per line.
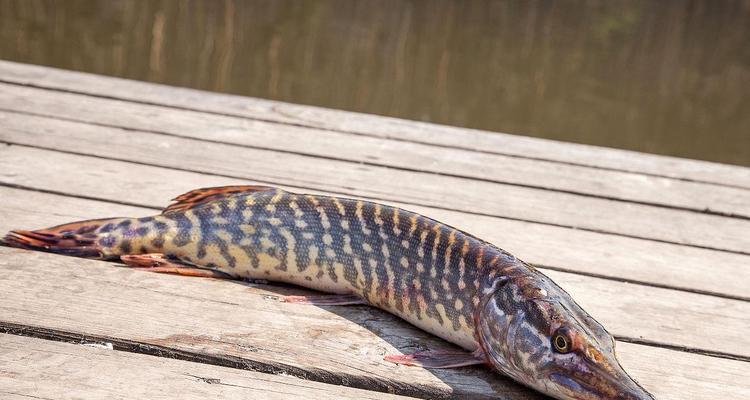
<point x="504" y="312"/>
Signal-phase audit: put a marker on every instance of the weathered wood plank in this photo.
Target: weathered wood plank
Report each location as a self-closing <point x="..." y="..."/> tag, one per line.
<point x="682" y="376"/>
<point x="624" y="186"/>
<point x="246" y="325"/>
<point x="575" y="250"/>
<point x="459" y="194"/>
<point x="370" y="125"/>
<point x="29" y="209"/>
<point x="42" y="369"/>
<point x="233" y="322"/>
<point x="633" y="311"/>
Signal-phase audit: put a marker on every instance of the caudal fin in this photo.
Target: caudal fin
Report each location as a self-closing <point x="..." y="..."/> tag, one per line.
<point x="75" y="239"/>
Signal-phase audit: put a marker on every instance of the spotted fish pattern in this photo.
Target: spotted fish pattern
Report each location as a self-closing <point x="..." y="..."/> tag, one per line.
<point x="436" y="277"/>
<point x="417" y="268"/>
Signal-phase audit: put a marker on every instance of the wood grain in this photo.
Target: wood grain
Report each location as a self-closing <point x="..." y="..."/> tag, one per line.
<point x="634" y="311"/>
<point x="245" y="325"/>
<point x="561" y="248"/>
<point x="679" y="375"/>
<point x="624" y="186"/>
<point x="677" y="226"/>
<point x="375" y="126"/>
<point x="82" y="372"/>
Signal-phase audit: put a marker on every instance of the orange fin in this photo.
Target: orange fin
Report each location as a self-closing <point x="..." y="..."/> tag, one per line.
<point x="74" y="239"/>
<point x="197" y="197"/>
<point x="157" y="262"/>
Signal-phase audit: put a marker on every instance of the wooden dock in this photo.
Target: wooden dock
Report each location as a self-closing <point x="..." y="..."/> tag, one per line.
<point x="655" y="248"/>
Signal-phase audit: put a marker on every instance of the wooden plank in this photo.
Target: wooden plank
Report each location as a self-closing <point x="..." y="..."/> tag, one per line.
<point x="43" y="369"/>
<point x="245" y="325"/>
<point x="236" y="323"/>
<point x="633" y="311"/>
<point x="679" y="375"/>
<point x="376" y="126"/>
<point x="676" y="226"/>
<point x="561" y="248"/>
<point x="609" y="184"/>
<point x="29" y="209"/>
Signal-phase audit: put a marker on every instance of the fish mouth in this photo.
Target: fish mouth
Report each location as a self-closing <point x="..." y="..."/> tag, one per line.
<point x="600" y="385"/>
<point x="571" y="387"/>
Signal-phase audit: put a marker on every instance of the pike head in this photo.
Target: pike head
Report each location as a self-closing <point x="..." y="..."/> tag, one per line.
<point x="531" y="330"/>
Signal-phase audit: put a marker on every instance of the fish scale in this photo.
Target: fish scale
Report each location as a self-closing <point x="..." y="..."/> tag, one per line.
<point x="443" y="280"/>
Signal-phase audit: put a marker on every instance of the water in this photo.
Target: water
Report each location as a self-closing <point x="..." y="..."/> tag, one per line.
<point x="668" y="77"/>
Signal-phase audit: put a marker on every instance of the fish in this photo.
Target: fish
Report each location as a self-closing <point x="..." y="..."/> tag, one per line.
<point x="501" y="310"/>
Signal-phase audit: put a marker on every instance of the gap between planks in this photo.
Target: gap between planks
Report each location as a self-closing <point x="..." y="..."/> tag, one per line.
<point x="41" y="339"/>
<point x="627" y="315"/>
<point x="376" y="196"/>
<point x="377" y="152"/>
<point x="373" y="126"/>
<point x="558" y="209"/>
<point x="229" y="323"/>
<point x="74" y="369"/>
<point x="574" y="250"/>
<point x="572" y="270"/>
<point x="238" y="325"/>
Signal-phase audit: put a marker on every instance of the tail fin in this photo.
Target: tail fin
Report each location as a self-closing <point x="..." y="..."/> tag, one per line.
<point x="75" y="239"/>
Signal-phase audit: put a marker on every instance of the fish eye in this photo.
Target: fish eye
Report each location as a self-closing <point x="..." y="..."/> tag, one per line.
<point x="561" y="341"/>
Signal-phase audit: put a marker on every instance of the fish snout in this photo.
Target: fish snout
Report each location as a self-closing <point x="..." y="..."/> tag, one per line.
<point x="633" y="391"/>
<point x="623" y="387"/>
<point x="600" y="384"/>
<point x="610" y="381"/>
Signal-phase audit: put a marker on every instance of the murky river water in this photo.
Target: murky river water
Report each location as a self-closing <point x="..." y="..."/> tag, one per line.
<point x="669" y="77"/>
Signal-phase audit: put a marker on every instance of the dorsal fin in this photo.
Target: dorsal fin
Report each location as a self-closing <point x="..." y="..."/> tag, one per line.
<point x="204" y="195"/>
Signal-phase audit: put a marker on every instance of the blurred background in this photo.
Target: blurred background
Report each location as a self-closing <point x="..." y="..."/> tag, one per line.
<point x="667" y="77"/>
